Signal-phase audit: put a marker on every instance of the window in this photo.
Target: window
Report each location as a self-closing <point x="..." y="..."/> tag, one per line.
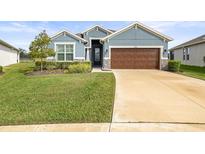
<point x="64" y="52"/>
<point x="60" y="52"/>
<point x="184" y="53"/>
<point x="187" y="53"/>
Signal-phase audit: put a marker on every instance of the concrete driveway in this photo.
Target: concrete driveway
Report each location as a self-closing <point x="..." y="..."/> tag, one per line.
<point x="158" y="97"/>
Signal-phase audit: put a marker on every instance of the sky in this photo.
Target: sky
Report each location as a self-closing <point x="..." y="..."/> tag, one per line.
<point x="21" y="33"/>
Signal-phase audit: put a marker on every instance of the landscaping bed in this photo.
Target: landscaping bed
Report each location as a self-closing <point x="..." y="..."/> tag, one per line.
<point x="59" y="68"/>
<point x="46" y="72"/>
<point x="60" y="98"/>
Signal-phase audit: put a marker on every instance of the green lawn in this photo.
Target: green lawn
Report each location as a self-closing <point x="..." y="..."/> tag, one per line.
<point x="62" y="98"/>
<point x="193" y="71"/>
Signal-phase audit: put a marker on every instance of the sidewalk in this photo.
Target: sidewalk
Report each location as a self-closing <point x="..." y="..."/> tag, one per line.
<point x="106" y="127"/>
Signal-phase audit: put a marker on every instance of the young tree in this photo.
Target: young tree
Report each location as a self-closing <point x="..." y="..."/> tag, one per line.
<point x="39" y="47"/>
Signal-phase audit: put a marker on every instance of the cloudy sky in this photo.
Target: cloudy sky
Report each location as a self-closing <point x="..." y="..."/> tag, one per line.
<point x="20" y="34"/>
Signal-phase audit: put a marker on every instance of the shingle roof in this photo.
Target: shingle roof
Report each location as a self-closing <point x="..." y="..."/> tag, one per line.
<point x="102" y="28"/>
<point x="112" y="30"/>
<point x="8" y="45"/>
<point x="200" y="39"/>
<point x="79" y="34"/>
<point x="69" y="33"/>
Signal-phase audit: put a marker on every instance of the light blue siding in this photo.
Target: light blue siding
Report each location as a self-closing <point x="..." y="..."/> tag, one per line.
<point x="79" y="46"/>
<point x="134" y="37"/>
<point x="94" y="33"/>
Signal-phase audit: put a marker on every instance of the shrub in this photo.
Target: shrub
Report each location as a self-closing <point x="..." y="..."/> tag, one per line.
<point x="38" y="65"/>
<point x="81" y="67"/>
<point x="63" y="65"/>
<point x="1" y="69"/>
<point x="174" y="66"/>
<point x="49" y="65"/>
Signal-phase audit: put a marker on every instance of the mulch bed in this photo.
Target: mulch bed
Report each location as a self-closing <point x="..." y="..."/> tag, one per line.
<point x="46" y="72"/>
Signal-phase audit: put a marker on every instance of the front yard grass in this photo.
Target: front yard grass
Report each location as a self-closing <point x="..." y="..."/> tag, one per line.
<point x="193" y="71"/>
<point x="62" y="98"/>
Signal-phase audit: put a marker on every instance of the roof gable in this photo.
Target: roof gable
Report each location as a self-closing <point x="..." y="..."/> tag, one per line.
<point x="68" y="33"/>
<point x="97" y="27"/>
<point x="197" y="40"/>
<point x="140" y="25"/>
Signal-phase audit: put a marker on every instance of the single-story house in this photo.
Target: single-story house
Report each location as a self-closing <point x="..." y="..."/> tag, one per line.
<point x="134" y="47"/>
<point x="8" y="54"/>
<point x="191" y="52"/>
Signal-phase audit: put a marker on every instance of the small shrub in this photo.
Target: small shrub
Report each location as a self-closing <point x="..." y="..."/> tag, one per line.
<point x="174" y="66"/>
<point x="62" y="65"/>
<point x="82" y="67"/>
<point x="50" y="66"/>
<point x="1" y="69"/>
<point x="38" y="65"/>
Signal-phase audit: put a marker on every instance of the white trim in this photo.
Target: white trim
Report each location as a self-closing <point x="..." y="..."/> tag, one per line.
<point x="79" y="58"/>
<point x="69" y="33"/>
<point x="140" y="25"/>
<point x="64" y="43"/>
<point x="90" y="41"/>
<point x="160" y="47"/>
<point x="89" y="29"/>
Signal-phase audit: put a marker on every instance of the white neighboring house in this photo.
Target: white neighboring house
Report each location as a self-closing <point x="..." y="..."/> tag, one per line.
<point x="8" y="54"/>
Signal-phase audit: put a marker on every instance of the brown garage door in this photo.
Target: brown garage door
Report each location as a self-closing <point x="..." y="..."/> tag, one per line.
<point x="135" y="58"/>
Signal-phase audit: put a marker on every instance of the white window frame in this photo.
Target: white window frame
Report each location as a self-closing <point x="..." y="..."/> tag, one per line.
<point x="64" y="43"/>
<point x="184" y="54"/>
<point x="187" y="53"/>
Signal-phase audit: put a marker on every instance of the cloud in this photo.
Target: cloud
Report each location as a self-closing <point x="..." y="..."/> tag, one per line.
<point x="17" y="27"/>
<point x="28" y="27"/>
<point x="162" y="26"/>
<point x="166" y="26"/>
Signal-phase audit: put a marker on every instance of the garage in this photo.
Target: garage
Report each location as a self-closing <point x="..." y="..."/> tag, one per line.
<point x="135" y="58"/>
<point x="8" y="54"/>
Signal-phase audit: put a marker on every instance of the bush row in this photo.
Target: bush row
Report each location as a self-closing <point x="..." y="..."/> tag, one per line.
<point x="1" y="69"/>
<point x="174" y="66"/>
<point x="72" y="67"/>
<point x="79" y="68"/>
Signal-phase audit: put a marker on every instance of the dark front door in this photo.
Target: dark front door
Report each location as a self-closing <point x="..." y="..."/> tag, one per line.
<point x="97" y="55"/>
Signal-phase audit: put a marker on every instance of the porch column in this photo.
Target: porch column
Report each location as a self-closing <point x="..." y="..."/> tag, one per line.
<point x="88" y="54"/>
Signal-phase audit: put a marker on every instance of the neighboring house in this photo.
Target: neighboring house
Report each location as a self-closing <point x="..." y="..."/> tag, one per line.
<point x="8" y="54"/>
<point x="133" y="47"/>
<point x="191" y="52"/>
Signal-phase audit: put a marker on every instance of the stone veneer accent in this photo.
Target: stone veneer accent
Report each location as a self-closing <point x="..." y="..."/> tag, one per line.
<point x="164" y="64"/>
<point x="106" y="64"/>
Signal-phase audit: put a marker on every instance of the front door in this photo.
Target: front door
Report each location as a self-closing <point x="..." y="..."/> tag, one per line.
<point x="97" y="56"/>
